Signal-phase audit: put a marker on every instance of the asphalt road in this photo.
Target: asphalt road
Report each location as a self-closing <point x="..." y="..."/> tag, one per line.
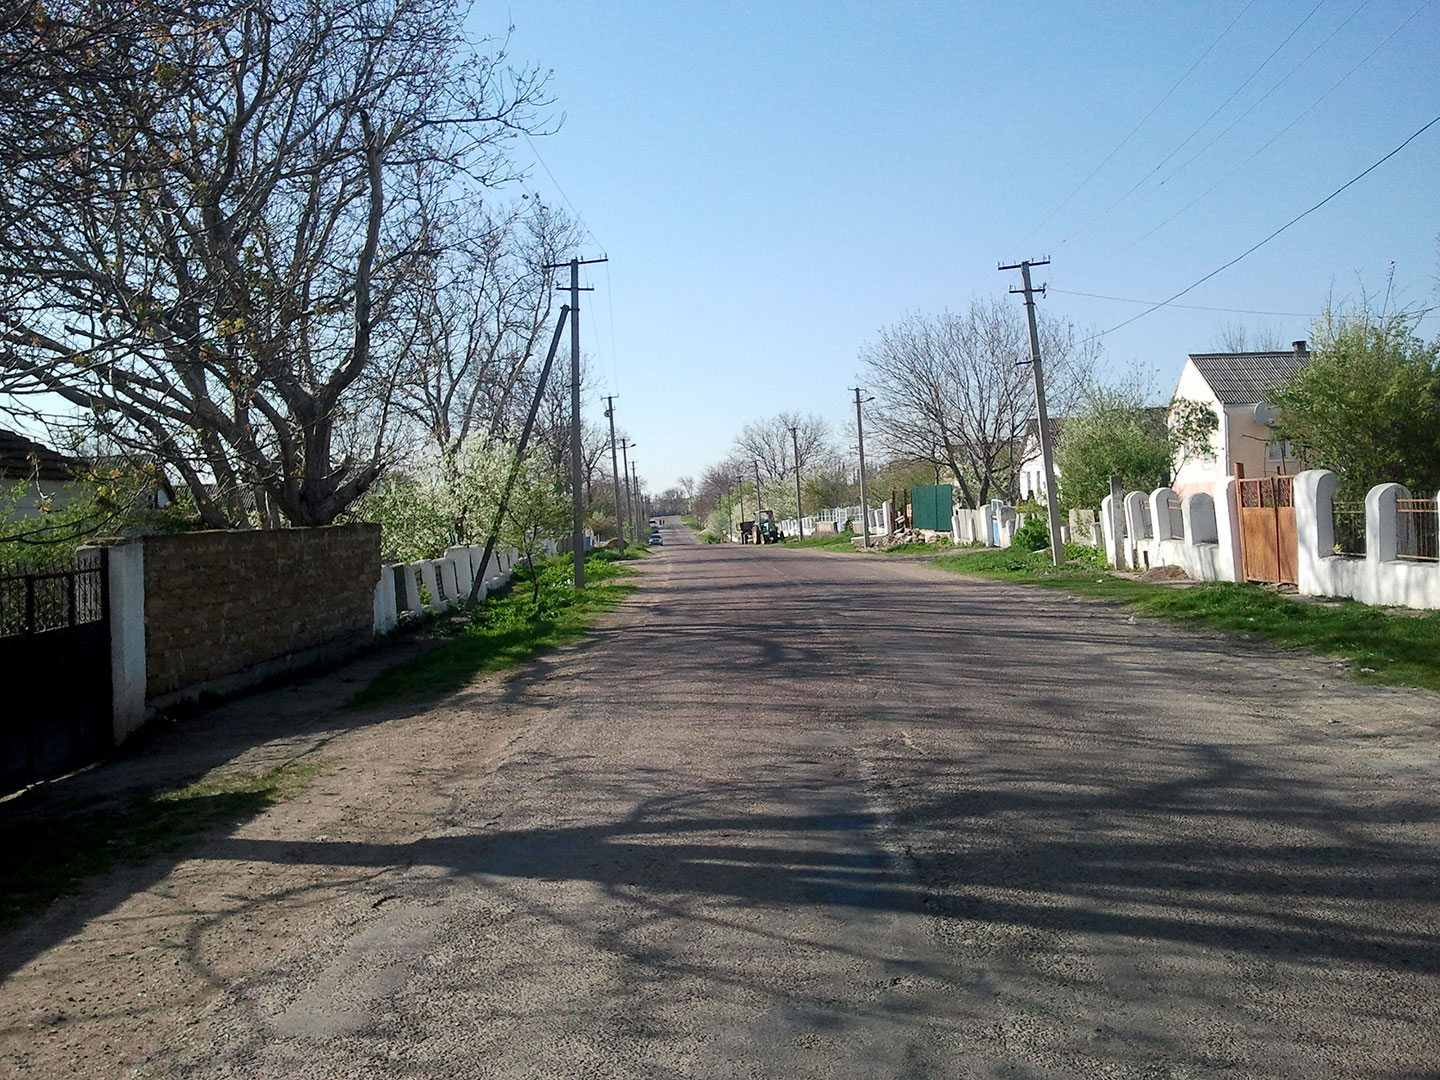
<point x="792" y="815"/>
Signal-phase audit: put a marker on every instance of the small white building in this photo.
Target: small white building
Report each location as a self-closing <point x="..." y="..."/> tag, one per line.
<point x="1031" y="477"/>
<point x="46" y="478"/>
<point x="1236" y="387"/>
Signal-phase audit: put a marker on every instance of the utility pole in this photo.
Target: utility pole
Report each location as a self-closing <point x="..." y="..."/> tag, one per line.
<point x="625" y="445"/>
<point x="860" y="439"/>
<point x="615" y="471"/>
<point x="799" y="508"/>
<point x="1052" y="504"/>
<point x="740" y="490"/>
<point x="759" y="502"/>
<point x="635" y="475"/>
<point x="479" y="579"/>
<point x="577" y="457"/>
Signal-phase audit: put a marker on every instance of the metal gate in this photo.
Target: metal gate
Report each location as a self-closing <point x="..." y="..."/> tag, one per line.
<point x="54" y="671"/>
<point x="1269" y="544"/>
<point x="932" y="507"/>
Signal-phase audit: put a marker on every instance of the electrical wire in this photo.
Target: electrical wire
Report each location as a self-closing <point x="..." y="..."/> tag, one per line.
<point x="1256" y="247"/>
<point x="1268" y="143"/>
<point x="1199" y="128"/>
<point x="1143" y="120"/>
<point x="614" y="353"/>
<point x="1275" y="86"/>
<point x="1187" y="307"/>
<point x="578" y="217"/>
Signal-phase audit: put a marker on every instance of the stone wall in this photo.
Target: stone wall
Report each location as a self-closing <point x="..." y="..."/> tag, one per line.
<point x="226" y="608"/>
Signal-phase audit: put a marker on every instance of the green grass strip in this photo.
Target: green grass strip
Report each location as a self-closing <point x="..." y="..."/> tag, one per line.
<point x="840" y="542"/>
<point x="48" y="857"/>
<point x="509" y="627"/>
<point x="1387" y="645"/>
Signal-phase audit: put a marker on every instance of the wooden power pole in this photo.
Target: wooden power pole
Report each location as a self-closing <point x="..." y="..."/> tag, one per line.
<point x="799" y="506"/>
<point x="577" y="456"/>
<point x="860" y="444"/>
<point x="615" y="472"/>
<point x="1052" y="503"/>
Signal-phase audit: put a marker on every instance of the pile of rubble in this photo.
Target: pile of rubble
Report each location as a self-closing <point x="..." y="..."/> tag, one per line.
<point x="900" y="536"/>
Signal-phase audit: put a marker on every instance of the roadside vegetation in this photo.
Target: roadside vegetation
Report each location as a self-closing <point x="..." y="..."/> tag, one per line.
<point x="840" y="542"/>
<point x="49" y="855"/>
<point x="1379" y="644"/>
<point x="539" y="609"/>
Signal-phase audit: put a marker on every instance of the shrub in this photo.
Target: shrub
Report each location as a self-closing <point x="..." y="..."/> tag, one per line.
<point x="1034" y="535"/>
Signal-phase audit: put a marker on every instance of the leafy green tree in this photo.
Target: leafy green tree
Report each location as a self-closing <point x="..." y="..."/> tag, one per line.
<point x="1367" y="405"/>
<point x="412" y="517"/>
<point x="1113" y="432"/>
<point x="108" y="497"/>
<point x="537" y="510"/>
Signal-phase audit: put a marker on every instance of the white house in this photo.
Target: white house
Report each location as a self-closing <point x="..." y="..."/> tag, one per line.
<point x="1032" y="469"/>
<point x="1236" y="387"/>
<point x="45" y="478"/>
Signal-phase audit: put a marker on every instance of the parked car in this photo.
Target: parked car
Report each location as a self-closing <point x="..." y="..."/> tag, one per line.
<point x="655" y="538"/>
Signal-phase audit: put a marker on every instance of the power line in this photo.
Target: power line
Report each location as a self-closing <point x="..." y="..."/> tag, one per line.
<point x="614" y="353"/>
<point x="1270" y="142"/>
<point x="1274" y="86"/>
<point x="1199" y="128"/>
<point x="1187" y="307"/>
<point x="1256" y="247"/>
<point x="578" y="216"/>
<point x="1143" y="120"/>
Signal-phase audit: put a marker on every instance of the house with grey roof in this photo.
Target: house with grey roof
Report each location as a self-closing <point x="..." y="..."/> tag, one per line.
<point x="1237" y="387"/>
<point x="44" y="476"/>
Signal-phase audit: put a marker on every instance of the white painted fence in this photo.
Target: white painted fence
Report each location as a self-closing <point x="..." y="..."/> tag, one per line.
<point x="1206" y="545"/>
<point x="1381" y="576"/>
<point x="436" y="584"/>
<point x="882" y="520"/>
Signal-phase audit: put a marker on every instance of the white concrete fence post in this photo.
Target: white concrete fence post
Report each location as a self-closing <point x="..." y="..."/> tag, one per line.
<point x="1314" y="529"/>
<point x="1197" y="511"/>
<point x="386" y="615"/>
<point x="1382" y="522"/>
<point x="126" y="582"/>
<point x="1160" y="513"/>
<point x="464" y="575"/>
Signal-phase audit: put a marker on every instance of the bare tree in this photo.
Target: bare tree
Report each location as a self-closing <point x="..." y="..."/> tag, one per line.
<point x="718" y="481"/>
<point x="954" y="389"/>
<point x="480" y="314"/>
<point x="1236" y="337"/>
<point x="770" y="443"/>
<point x="209" y="245"/>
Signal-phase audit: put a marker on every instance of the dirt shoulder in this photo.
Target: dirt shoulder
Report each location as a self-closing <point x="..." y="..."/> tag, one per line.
<point x="97" y="980"/>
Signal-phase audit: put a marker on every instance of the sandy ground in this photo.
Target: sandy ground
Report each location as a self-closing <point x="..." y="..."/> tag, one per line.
<point x="785" y="814"/>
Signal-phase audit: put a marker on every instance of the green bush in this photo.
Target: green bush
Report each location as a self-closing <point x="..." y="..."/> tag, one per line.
<point x="1034" y="535"/>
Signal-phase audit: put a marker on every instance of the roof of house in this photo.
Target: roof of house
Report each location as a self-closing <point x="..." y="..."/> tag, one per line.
<point x="25" y="459"/>
<point x="1247" y="378"/>
<point x="1032" y="428"/>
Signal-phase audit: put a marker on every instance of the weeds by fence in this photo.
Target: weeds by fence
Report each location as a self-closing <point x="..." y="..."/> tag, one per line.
<point x="1349" y="519"/>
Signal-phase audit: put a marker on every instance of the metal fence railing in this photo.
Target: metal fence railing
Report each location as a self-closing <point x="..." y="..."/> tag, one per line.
<point x="1349" y="519"/>
<point x="1177" y="519"/>
<point x="1418" y="530"/>
<point x="34" y="603"/>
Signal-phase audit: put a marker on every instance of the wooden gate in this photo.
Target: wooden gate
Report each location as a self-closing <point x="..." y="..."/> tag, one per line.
<point x="1269" y="544"/>
<point x="55" y="662"/>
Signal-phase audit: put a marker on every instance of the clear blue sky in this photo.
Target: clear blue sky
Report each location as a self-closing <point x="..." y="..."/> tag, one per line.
<point x="773" y="182"/>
